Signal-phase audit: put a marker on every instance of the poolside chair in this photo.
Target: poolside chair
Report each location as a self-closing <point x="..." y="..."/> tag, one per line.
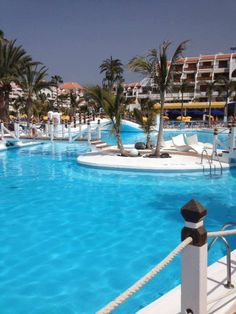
<point x="180" y="144"/>
<point x="193" y="140"/>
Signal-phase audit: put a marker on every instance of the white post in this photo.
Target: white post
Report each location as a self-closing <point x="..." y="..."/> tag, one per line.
<point x="215" y="143"/>
<point x="80" y="129"/>
<point x="17" y="129"/>
<point x="51" y="130"/>
<point x="232" y="138"/>
<point x="99" y="129"/>
<point x="194" y="260"/>
<point x="69" y="132"/>
<point x="89" y="131"/>
<point x="62" y="129"/>
<point x="47" y="127"/>
<point x="2" y="130"/>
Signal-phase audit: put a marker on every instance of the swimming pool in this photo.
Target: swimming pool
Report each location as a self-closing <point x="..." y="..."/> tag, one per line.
<point x="73" y="237"/>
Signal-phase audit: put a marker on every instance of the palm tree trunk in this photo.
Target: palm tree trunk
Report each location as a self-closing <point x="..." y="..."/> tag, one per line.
<point x="120" y="144"/>
<point x="160" y="132"/>
<point x="29" y="110"/>
<point x="148" y="141"/>
<point x="182" y="106"/>
<point x="209" y="113"/>
<point x="3" y="109"/>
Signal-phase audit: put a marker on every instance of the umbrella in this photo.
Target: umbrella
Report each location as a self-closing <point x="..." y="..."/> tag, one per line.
<point x="175" y="112"/>
<point x="217" y="112"/>
<point x="196" y="112"/>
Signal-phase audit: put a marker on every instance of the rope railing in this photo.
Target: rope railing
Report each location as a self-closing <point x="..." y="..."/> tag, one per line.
<point x="145" y="279"/>
<point x="221" y="233"/>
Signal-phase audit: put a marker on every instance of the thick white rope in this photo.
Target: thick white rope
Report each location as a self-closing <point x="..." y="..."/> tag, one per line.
<point x="221" y="233"/>
<point x="141" y="282"/>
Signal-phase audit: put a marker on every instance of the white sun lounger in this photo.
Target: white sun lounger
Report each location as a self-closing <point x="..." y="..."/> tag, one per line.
<point x="193" y="140"/>
<point x="180" y="144"/>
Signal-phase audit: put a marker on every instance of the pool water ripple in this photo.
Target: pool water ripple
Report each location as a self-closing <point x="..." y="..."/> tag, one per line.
<point x="72" y="238"/>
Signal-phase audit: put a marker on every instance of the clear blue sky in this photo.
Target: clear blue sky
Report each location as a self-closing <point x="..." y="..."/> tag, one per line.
<point x="73" y="37"/>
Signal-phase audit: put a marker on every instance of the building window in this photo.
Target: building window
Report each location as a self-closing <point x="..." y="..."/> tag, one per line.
<point x="223" y="64"/>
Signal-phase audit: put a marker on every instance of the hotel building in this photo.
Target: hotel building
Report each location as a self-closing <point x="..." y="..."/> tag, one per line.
<point x="196" y="72"/>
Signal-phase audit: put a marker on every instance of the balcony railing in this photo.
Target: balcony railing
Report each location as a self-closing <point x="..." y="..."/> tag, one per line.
<point x="201" y="78"/>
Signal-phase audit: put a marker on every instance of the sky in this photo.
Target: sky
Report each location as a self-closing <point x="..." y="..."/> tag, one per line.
<point x="73" y="37"/>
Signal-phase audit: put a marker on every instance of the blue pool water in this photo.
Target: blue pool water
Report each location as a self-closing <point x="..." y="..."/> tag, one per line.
<point x="132" y="137"/>
<point x="73" y="237"/>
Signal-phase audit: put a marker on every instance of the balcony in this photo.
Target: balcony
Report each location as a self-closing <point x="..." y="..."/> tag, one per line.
<point x="221" y="70"/>
<point x="190" y="69"/>
<point x="204" y="78"/>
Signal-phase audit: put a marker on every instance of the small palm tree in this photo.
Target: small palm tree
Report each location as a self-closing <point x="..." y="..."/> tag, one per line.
<point x="161" y="72"/>
<point x="32" y="81"/>
<point x="211" y="87"/>
<point x="146" y="119"/>
<point x="112" y="106"/>
<point x="13" y="60"/>
<point x="113" y="69"/>
<point x="227" y="88"/>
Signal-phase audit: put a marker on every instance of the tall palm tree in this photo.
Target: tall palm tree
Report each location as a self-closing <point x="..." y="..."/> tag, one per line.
<point x="112" y="106"/>
<point x="113" y="69"/>
<point x="146" y="119"/>
<point x="227" y="88"/>
<point x="161" y="71"/>
<point x="32" y="80"/>
<point x="211" y="87"/>
<point x="183" y="88"/>
<point x="56" y="80"/>
<point x="13" y="59"/>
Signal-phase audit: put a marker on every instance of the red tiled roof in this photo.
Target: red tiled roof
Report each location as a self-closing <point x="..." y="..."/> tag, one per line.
<point x="207" y="57"/>
<point x="71" y="86"/>
<point x="223" y="57"/>
<point x="180" y="60"/>
<point x="192" y="59"/>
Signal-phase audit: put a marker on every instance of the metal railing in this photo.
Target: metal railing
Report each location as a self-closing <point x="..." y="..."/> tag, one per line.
<point x="228" y="284"/>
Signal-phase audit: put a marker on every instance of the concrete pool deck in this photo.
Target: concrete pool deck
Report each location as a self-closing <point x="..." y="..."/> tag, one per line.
<point x="216" y="278"/>
<point x="178" y="162"/>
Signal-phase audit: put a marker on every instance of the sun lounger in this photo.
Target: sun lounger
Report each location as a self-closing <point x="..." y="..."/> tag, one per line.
<point x="193" y="140"/>
<point x="180" y="144"/>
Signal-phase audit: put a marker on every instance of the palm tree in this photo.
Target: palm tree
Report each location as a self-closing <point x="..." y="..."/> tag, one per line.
<point x="56" y="80"/>
<point x="227" y="88"/>
<point x="32" y="80"/>
<point x="161" y="71"/>
<point x="112" y="106"/>
<point x="146" y="119"/>
<point x="19" y="105"/>
<point x="146" y="66"/>
<point x="183" y="88"/>
<point x="211" y="87"/>
<point x="13" y="59"/>
<point x="113" y="69"/>
<point x="2" y="37"/>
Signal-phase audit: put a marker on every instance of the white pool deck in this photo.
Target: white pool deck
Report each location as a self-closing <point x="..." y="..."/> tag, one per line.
<point x="216" y="278"/>
<point x="177" y="162"/>
<point x="18" y="144"/>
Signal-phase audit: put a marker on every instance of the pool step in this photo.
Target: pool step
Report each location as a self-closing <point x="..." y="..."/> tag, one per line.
<point x="96" y="142"/>
<point x="102" y="145"/>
